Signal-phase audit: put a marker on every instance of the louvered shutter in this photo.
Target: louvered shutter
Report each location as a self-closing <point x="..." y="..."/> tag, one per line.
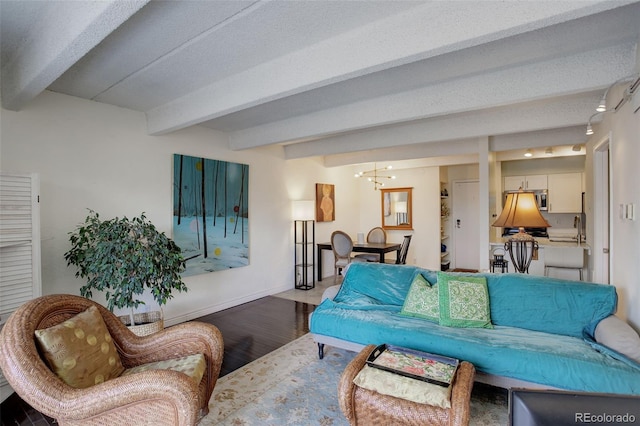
<point x="19" y="246"/>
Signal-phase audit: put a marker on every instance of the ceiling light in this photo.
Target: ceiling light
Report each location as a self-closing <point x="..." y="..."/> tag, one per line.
<point x="548" y="151"/>
<point x="528" y="153"/>
<point x="578" y="148"/>
<point x="602" y="106"/>
<point x="589" y="130"/>
<point x="373" y="176"/>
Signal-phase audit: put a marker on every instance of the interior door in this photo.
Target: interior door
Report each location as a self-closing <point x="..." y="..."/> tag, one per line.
<point x="466" y="234"/>
<point x="602" y="214"/>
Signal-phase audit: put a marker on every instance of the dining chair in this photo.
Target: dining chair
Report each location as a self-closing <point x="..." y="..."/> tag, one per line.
<point x="404" y="249"/>
<point x="375" y="235"/>
<point x="342" y="246"/>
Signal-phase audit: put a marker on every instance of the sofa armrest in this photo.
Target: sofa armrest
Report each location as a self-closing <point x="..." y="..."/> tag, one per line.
<point x="150" y="397"/>
<point x="174" y="342"/>
<point x="330" y="292"/>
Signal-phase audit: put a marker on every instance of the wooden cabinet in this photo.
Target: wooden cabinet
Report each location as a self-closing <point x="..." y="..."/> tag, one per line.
<point x="513" y="183"/>
<point x="565" y="193"/>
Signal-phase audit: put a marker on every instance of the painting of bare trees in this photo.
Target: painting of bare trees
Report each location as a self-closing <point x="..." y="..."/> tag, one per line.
<point x="210" y="213"/>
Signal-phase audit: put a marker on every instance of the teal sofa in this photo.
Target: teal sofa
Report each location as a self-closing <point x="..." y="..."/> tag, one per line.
<point x="541" y="336"/>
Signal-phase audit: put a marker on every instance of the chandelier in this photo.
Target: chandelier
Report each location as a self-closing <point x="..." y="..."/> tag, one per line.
<point x="374" y="177"/>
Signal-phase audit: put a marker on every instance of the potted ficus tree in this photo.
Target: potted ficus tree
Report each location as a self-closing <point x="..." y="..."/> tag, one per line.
<point x="124" y="257"/>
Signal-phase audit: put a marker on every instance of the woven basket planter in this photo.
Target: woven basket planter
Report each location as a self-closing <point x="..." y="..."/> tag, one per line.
<point x="146" y="322"/>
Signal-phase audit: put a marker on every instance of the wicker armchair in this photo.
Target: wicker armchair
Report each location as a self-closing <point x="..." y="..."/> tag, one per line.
<point x="364" y="407"/>
<point x="159" y="397"/>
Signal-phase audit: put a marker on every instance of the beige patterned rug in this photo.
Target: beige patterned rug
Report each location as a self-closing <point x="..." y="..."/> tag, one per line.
<point x="291" y="386"/>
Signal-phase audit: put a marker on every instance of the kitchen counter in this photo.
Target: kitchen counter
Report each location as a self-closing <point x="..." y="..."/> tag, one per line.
<point x="544" y="242"/>
<point x="537" y="264"/>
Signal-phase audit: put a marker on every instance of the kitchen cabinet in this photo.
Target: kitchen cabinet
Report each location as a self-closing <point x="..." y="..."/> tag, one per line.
<point x="513" y="183"/>
<point x="565" y="192"/>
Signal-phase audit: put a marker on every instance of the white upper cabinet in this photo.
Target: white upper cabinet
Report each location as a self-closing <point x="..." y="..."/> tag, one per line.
<point x="529" y="183"/>
<point x="565" y="193"/>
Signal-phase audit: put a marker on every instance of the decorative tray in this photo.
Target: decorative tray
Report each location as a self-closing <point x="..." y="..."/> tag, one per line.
<point x="419" y="365"/>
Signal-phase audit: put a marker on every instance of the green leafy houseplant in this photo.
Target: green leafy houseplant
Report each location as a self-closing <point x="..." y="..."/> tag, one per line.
<point x="123" y="257"/>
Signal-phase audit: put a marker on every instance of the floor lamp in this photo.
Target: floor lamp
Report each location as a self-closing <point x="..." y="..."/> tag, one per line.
<point x="521" y="211"/>
<point x="304" y="237"/>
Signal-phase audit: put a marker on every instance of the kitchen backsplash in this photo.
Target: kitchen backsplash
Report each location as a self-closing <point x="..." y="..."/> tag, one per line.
<point x="560" y="220"/>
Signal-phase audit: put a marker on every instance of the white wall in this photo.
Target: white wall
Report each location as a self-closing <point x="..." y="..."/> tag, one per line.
<point x="624" y="127"/>
<point x="424" y="249"/>
<point x="92" y="155"/>
<point x="301" y="178"/>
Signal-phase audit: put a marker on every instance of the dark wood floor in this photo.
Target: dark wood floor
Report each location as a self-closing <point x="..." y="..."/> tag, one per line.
<point x="250" y="331"/>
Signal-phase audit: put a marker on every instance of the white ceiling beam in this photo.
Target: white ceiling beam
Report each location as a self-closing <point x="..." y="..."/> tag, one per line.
<point x="540" y="139"/>
<point x="462" y="151"/>
<point x="65" y="34"/>
<point x="397" y="40"/>
<point x="564" y="75"/>
<point x="526" y="117"/>
<point x="409" y="156"/>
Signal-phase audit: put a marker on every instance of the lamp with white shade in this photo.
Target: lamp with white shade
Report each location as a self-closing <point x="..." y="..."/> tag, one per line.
<point x="401" y="212"/>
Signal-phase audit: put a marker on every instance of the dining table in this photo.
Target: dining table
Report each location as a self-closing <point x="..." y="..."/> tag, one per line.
<point x="377" y="248"/>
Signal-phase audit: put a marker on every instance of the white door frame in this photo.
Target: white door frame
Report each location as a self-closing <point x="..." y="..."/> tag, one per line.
<point x="602" y="212"/>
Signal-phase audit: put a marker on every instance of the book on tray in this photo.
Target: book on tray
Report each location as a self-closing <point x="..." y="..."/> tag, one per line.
<point x="415" y="364"/>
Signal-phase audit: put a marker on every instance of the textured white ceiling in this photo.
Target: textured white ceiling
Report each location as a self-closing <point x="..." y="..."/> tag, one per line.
<point x="347" y="80"/>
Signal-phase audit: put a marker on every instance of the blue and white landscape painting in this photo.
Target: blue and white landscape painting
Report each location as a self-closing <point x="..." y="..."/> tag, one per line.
<point x="210" y="213"/>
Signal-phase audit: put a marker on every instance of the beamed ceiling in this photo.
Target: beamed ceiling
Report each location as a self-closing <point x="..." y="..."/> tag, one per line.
<point x="350" y="81"/>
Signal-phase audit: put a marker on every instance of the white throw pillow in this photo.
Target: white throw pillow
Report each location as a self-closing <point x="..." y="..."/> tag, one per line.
<point x="619" y="336"/>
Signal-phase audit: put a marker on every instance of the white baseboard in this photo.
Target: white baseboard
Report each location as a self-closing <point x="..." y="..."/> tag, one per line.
<point x="222" y="306"/>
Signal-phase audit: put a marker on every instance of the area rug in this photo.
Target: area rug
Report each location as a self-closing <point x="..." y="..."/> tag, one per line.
<point x="291" y="386"/>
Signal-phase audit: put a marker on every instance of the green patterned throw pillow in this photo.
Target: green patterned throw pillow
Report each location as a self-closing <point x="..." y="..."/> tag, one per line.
<point x="422" y="300"/>
<point x="464" y="301"/>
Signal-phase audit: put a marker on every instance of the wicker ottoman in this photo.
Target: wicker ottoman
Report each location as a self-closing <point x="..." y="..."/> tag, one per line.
<point x="365" y="407"/>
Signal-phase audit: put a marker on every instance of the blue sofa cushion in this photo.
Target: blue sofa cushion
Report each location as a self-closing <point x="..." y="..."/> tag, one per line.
<point x="549" y="359"/>
<point x="549" y="305"/>
<point x="379" y="283"/>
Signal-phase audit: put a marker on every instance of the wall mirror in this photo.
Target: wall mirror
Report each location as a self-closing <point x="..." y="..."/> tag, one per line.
<point x="396" y="208"/>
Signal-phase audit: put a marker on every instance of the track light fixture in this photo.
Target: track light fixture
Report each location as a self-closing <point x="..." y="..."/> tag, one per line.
<point x="602" y="106"/>
<point x="589" y="128"/>
<point x="373" y="176"/>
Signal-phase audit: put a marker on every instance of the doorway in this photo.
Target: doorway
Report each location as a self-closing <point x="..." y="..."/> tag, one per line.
<point x="466" y="231"/>
<point x="602" y="213"/>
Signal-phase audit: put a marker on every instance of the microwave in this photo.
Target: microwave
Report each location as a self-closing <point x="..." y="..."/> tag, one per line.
<point x="542" y="199"/>
<point x="541" y="196"/>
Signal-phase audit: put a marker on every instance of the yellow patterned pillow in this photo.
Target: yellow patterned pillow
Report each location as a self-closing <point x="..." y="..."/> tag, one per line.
<point x="80" y="350"/>
<point x="191" y="365"/>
